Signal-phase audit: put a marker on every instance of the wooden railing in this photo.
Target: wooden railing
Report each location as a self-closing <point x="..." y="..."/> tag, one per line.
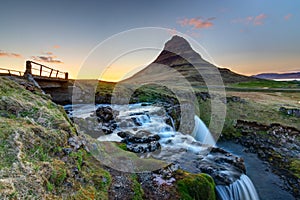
<point x="44" y="71"/>
<point x="11" y="72"/>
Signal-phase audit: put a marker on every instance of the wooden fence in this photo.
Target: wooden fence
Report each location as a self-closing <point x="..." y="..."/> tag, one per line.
<point x="37" y="69"/>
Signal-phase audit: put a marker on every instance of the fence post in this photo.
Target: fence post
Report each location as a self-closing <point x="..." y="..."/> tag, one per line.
<point x="28" y="67"/>
<point x="66" y="75"/>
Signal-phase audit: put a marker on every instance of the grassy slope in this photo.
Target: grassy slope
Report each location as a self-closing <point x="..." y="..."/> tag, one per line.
<point x="33" y="132"/>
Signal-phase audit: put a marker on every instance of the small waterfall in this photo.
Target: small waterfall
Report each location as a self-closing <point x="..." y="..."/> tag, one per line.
<point x="201" y="132"/>
<point x="242" y="189"/>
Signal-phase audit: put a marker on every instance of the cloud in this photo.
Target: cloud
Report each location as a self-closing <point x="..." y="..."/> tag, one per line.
<point x="252" y="20"/>
<point x="259" y="19"/>
<point x="197" y="23"/>
<point x="9" y="54"/>
<point x="288" y="16"/>
<point x="48" y="57"/>
<point x="56" y="46"/>
<point x="47" y="53"/>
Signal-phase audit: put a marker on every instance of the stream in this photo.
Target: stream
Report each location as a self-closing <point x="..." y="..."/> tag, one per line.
<point x="268" y="184"/>
<point x="195" y="153"/>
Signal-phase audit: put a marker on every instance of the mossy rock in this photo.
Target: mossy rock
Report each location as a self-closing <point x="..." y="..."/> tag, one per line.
<point x="195" y="186"/>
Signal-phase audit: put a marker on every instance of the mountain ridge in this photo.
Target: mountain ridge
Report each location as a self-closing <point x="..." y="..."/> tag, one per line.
<point x="182" y="61"/>
<point x="289" y="75"/>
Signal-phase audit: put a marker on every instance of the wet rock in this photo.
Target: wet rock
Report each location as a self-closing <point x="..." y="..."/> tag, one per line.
<point x="136" y="121"/>
<point x="129" y="138"/>
<point x="105" y="114"/>
<point x="143" y="148"/>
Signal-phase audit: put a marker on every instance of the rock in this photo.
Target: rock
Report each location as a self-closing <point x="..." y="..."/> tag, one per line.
<point x="136" y="121"/>
<point x="203" y="95"/>
<point x="67" y="151"/>
<point x="290" y="111"/>
<point x="129" y="138"/>
<point x="105" y="114"/>
<point x="143" y="148"/>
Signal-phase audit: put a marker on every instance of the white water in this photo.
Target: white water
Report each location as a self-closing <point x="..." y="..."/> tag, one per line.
<point x="201" y="132"/>
<point x="242" y="189"/>
<point x="174" y="144"/>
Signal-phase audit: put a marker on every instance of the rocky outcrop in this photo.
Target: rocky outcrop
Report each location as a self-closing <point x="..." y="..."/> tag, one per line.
<point x="276" y="144"/>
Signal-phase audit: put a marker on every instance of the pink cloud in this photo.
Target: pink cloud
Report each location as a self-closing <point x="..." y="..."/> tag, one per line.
<point x="259" y="19"/>
<point x="172" y="31"/>
<point x="288" y="16"/>
<point x="56" y="46"/>
<point x="252" y="20"/>
<point x="8" y="54"/>
<point x="196" y="23"/>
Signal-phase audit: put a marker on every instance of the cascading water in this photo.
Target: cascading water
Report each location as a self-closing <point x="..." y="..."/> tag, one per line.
<point x="242" y="189"/>
<point x="201" y="132"/>
<point x="186" y="150"/>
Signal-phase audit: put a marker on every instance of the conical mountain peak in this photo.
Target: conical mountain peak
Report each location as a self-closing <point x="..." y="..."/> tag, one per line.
<point x="177" y="45"/>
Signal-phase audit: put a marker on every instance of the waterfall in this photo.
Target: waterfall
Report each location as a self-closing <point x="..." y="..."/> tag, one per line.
<point x="201" y="132"/>
<point x="242" y="189"/>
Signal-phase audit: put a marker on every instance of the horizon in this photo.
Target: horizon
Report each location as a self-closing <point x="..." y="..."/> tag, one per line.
<point x="248" y="38"/>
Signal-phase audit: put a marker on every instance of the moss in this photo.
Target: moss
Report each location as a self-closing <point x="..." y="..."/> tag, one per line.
<point x="122" y="146"/>
<point x="137" y="188"/>
<point x="38" y="154"/>
<point x="295" y="167"/>
<point x="85" y="193"/>
<point x="59" y="173"/>
<point x="195" y="186"/>
<point x="78" y="157"/>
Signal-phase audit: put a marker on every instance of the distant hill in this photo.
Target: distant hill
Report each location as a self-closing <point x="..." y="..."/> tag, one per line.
<point x="293" y="75"/>
<point x="178" y="60"/>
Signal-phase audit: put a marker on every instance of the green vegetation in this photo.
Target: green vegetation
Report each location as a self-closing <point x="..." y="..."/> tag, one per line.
<point x="267" y="84"/>
<point x="195" y="186"/>
<point x="122" y="146"/>
<point x="137" y="188"/>
<point x="33" y="133"/>
<point x="295" y="167"/>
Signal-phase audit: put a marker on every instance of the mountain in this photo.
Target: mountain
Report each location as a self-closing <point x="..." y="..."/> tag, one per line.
<point x="178" y="63"/>
<point x="292" y="75"/>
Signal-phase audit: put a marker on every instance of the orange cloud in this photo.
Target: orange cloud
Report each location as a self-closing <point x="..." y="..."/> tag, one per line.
<point x="47" y="53"/>
<point x="56" y="46"/>
<point x="259" y="19"/>
<point x="288" y="16"/>
<point x="253" y="20"/>
<point x="48" y="57"/>
<point x="196" y="23"/>
<point x="8" y="54"/>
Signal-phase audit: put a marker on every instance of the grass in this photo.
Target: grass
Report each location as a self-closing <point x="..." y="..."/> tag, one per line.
<point x="78" y="156"/>
<point x="33" y="132"/>
<point x="137" y="188"/>
<point x="295" y="167"/>
<point x="267" y="84"/>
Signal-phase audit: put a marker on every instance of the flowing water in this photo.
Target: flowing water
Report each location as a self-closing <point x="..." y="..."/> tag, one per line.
<point x="268" y="185"/>
<point x="182" y="149"/>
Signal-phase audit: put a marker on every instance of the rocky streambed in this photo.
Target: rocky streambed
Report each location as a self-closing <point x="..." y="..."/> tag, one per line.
<point x="143" y="130"/>
<point x="278" y="146"/>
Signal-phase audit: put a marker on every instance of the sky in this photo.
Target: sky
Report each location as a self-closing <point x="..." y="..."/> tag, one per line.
<point x="248" y="37"/>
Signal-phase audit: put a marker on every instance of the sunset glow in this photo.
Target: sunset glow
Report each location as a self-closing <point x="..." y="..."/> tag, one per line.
<point x="248" y="37"/>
